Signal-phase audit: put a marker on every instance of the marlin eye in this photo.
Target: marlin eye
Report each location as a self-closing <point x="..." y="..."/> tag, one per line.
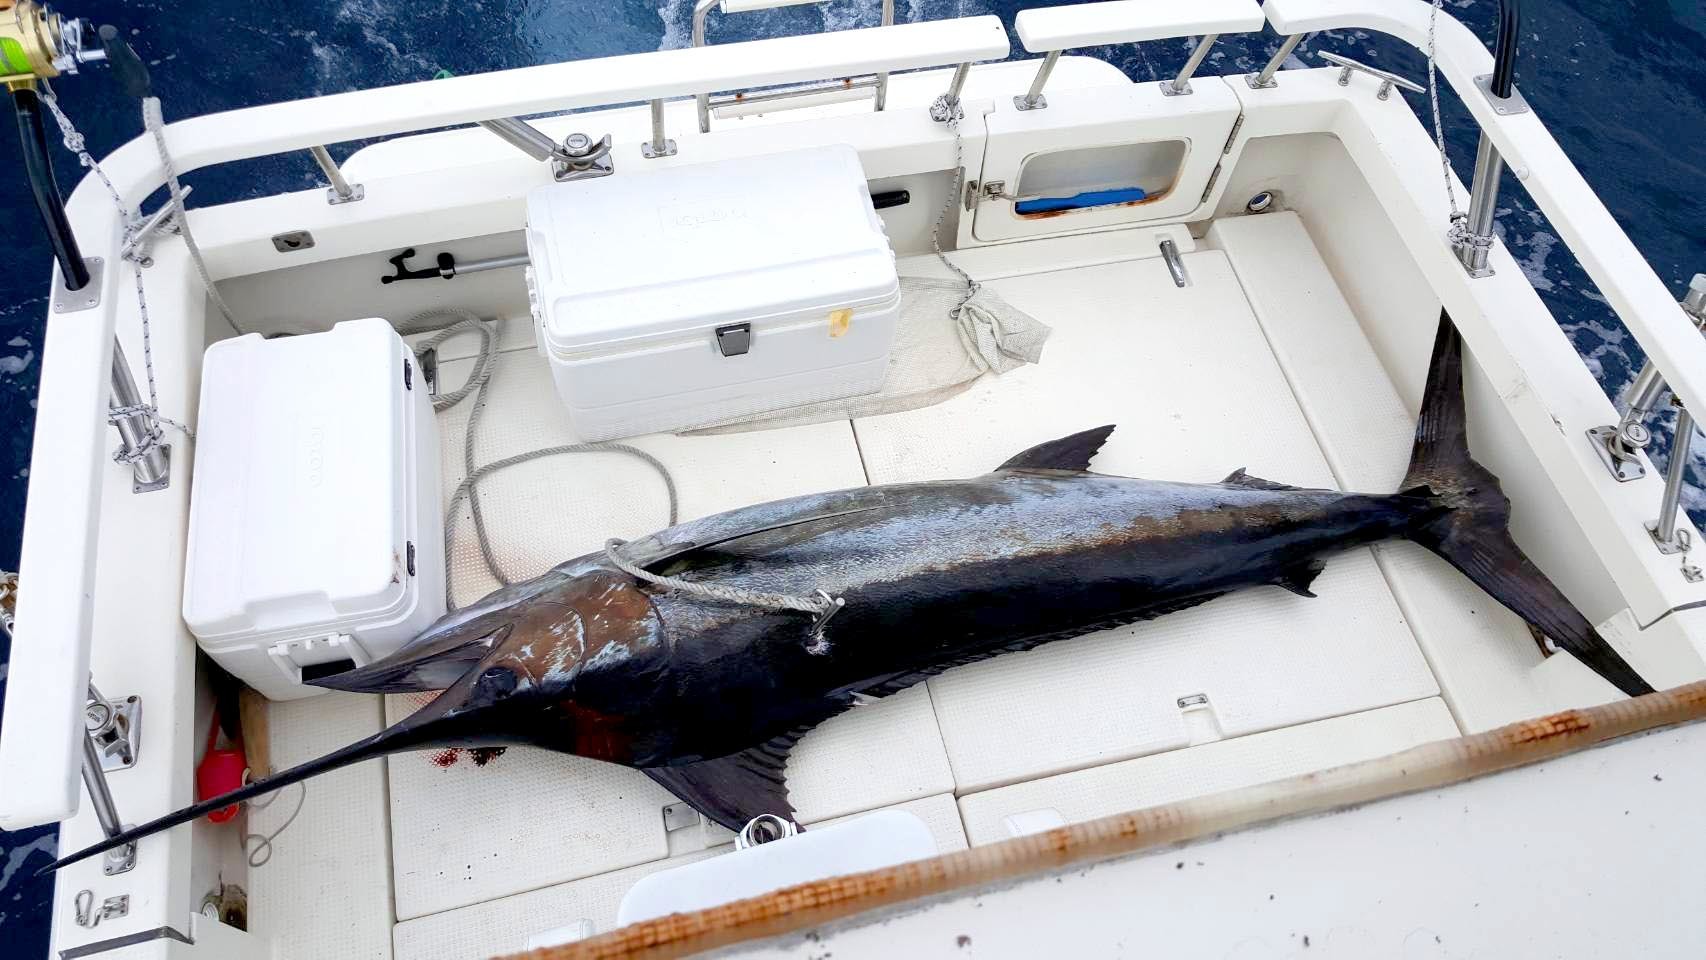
<point x="497" y="681"/>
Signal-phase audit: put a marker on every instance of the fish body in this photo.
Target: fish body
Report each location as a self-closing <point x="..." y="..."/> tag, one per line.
<point x="706" y="694"/>
<point x="941" y="573"/>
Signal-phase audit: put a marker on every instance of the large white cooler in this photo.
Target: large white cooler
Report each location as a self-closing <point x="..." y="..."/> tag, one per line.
<point x="703" y="293"/>
<point x="315" y="538"/>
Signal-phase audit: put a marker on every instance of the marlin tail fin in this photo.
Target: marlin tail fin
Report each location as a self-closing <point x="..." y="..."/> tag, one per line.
<point x="1469" y="525"/>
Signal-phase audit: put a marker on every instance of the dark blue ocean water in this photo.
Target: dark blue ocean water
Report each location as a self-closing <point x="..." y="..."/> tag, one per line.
<point x="1621" y="83"/>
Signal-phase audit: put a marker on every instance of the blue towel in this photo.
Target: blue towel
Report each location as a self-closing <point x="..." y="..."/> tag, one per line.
<point x="1091" y="198"/>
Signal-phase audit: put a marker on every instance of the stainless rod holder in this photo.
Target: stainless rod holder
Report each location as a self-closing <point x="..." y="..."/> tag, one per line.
<point x="1033" y="98"/>
<point x="1664" y="528"/>
<point x="1265" y="80"/>
<point x="523" y="136"/>
<point x="342" y="191"/>
<point x="119" y="859"/>
<point x="1475" y="245"/>
<point x="658" y="145"/>
<point x="1181" y="85"/>
<point x="151" y="470"/>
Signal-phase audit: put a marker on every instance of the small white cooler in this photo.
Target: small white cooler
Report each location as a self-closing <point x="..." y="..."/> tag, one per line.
<point x="315" y="537"/>
<point x="701" y="294"/>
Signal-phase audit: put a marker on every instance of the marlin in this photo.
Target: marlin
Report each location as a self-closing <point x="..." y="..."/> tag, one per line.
<point x="707" y="696"/>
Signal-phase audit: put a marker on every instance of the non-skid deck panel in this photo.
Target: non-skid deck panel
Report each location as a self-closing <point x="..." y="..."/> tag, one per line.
<point x="1483" y="655"/>
<point x="505" y="925"/>
<point x="464" y="833"/>
<point x="1188" y="378"/>
<point x="326" y="889"/>
<point x="1022" y="808"/>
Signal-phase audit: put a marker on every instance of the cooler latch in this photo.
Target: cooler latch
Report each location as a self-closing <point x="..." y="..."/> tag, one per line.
<point x="734" y="339"/>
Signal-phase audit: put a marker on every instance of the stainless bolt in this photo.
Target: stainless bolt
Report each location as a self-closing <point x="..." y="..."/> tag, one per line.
<point x="577" y="143"/>
<point x="96" y="717"/>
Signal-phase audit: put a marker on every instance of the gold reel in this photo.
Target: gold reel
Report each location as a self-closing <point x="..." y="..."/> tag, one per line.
<point x="36" y="43"/>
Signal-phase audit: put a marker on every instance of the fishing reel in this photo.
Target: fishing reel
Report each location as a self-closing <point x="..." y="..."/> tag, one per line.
<point x="38" y="44"/>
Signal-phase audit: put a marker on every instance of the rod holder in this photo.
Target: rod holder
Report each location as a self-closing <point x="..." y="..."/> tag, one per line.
<point x="658" y="145"/>
<point x="1034" y="99"/>
<point x="1180" y="85"/>
<point x="1265" y="80"/>
<point x="140" y="446"/>
<point x="119" y="859"/>
<point x="1664" y="528"/>
<point x="341" y="191"/>
<point x="1473" y="240"/>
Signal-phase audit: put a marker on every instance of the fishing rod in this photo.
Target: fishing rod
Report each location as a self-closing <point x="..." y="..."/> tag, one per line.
<point x="38" y="44"/>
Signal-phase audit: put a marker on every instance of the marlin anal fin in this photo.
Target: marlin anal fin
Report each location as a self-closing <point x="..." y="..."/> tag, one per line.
<point x="1238" y="478"/>
<point x="732" y="790"/>
<point x="1298" y="579"/>
<point x="1068" y="453"/>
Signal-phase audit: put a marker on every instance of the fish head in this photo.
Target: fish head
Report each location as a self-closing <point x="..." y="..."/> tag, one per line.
<point x="571" y="664"/>
<point x="444" y="651"/>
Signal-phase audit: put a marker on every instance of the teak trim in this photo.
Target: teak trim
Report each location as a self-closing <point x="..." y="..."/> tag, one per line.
<point x="1425" y="767"/>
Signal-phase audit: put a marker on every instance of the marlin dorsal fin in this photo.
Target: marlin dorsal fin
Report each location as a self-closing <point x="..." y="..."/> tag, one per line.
<point x="1238" y="478"/>
<point x="1068" y="453"/>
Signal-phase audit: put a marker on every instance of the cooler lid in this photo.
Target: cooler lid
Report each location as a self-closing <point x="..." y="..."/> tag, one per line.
<point x="299" y="505"/>
<point x="686" y="248"/>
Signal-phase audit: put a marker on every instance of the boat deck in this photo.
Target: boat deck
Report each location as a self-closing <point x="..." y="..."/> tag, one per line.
<point x="1258" y="363"/>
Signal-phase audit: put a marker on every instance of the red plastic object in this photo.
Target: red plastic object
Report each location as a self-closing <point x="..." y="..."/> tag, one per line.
<point x="220" y="771"/>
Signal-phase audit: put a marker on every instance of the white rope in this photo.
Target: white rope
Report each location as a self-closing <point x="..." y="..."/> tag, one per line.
<point x="75" y="143"/>
<point x="822" y="606"/>
<point x="156" y="125"/>
<point x="1459" y="230"/>
<point x="818" y="605"/>
<point x="951" y="111"/>
<point x="463" y="321"/>
<point x="262" y="851"/>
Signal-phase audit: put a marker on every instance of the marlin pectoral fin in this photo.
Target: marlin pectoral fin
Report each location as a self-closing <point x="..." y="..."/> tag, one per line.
<point x="455" y="642"/>
<point x="650" y="552"/>
<point x="732" y="790"/>
<point x="1068" y="453"/>
<point x="416" y="668"/>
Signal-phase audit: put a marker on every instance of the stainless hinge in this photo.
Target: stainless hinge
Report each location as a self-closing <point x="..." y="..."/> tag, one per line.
<point x="1212" y="178"/>
<point x="1237" y="125"/>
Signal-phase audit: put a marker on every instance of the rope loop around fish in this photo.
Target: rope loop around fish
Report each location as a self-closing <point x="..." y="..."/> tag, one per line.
<point x="821" y="605"/>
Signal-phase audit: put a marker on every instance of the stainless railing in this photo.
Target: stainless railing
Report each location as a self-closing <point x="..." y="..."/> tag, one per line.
<point x="878" y="82"/>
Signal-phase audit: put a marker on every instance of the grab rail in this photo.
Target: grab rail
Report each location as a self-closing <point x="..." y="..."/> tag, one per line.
<point x="49" y="671"/>
<point x="702" y="10"/>
<point x="1051" y="30"/>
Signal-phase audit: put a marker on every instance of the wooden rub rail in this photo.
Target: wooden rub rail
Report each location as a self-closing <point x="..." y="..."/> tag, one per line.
<point x="1419" y="768"/>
